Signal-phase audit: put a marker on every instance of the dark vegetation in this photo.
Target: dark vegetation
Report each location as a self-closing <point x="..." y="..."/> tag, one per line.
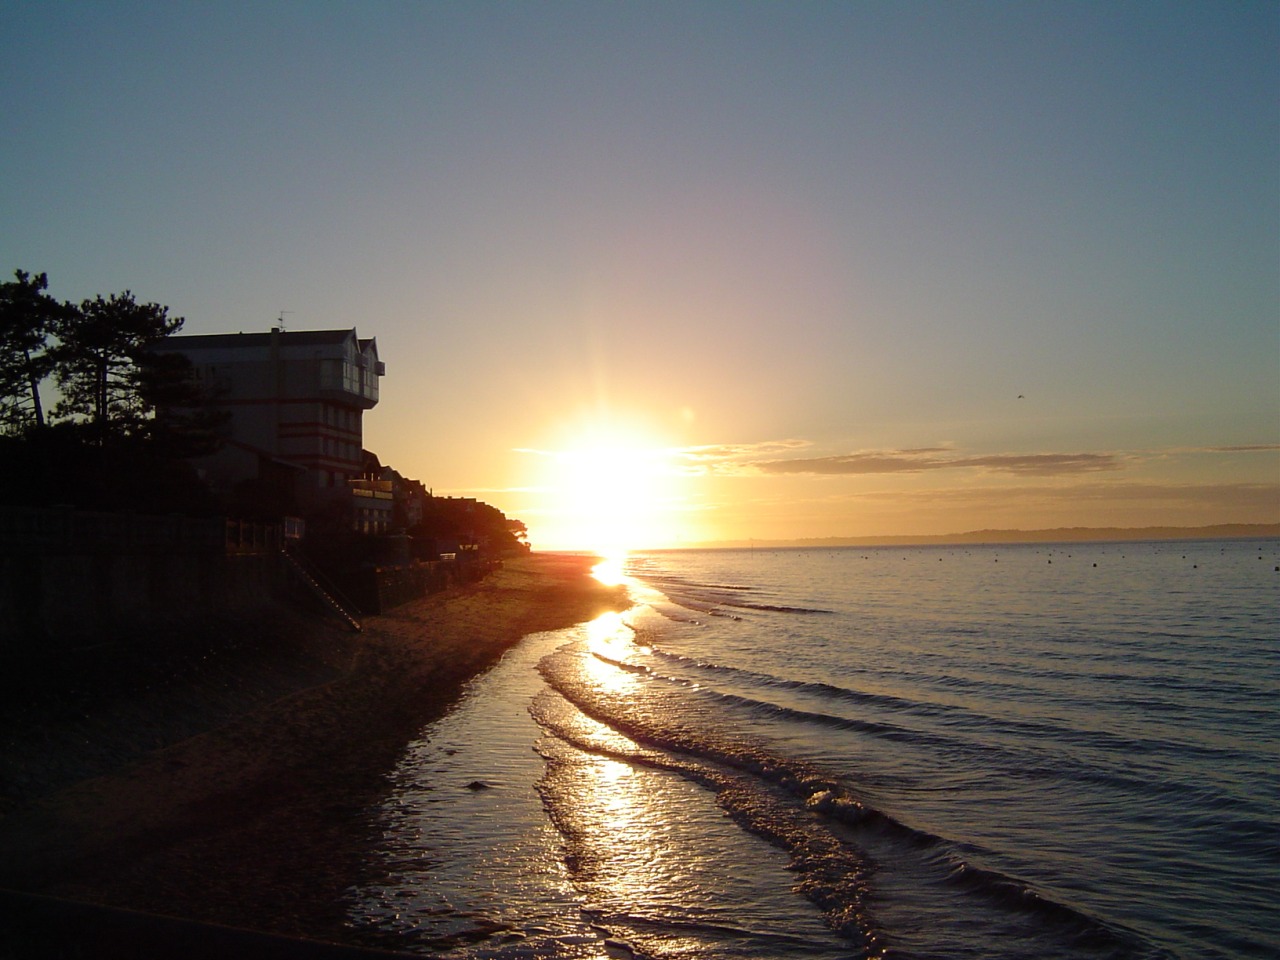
<point x="128" y="420"/>
<point x="101" y="447"/>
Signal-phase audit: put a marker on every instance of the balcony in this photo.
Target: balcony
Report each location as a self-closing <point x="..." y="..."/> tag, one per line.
<point x="371" y="489"/>
<point x="348" y="382"/>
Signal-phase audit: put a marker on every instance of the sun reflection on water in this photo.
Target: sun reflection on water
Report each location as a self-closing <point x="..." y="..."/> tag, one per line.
<point x="631" y="834"/>
<point x="611" y="569"/>
<point x="648" y="850"/>
<point x="609" y="642"/>
<point x="627" y="869"/>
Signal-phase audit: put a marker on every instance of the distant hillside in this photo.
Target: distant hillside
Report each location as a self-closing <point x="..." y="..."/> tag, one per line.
<point x="1221" y="531"/>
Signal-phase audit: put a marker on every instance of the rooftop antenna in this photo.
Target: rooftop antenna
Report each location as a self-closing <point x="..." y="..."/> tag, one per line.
<point x="281" y="320"/>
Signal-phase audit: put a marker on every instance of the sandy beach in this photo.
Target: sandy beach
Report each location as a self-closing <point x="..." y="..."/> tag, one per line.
<point x="257" y="821"/>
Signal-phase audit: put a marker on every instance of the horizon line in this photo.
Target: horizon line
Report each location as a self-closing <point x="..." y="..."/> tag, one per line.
<point x="1214" y="531"/>
<point x="1075" y="534"/>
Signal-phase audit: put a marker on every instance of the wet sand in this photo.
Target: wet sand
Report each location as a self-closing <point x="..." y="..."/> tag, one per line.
<point x="260" y="822"/>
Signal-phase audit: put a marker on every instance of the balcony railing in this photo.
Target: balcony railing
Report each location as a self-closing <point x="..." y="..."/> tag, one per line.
<point x="344" y="376"/>
<point x="376" y="489"/>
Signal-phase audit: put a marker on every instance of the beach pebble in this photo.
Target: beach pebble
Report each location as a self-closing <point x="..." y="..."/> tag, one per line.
<point x="478" y="785"/>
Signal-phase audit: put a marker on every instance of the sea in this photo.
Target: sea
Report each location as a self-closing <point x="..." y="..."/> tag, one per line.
<point x="1007" y="751"/>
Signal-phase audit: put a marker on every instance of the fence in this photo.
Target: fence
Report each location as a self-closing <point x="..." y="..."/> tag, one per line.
<point x="59" y="530"/>
<point x="243" y="536"/>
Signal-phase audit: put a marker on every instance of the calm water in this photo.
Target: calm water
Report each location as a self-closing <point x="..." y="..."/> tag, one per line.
<point x="1065" y="751"/>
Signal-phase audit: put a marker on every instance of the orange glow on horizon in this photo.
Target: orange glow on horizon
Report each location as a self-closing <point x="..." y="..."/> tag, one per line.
<point x="608" y="491"/>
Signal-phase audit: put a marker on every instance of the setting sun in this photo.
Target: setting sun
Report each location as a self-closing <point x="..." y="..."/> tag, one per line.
<point x="608" y="495"/>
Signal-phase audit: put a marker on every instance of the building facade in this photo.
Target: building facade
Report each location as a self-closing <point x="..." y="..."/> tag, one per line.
<point x="296" y="402"/>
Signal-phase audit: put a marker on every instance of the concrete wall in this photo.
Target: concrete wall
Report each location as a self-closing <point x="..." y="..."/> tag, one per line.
<point x="388" y="587"/>
<point x="68" y="599"/>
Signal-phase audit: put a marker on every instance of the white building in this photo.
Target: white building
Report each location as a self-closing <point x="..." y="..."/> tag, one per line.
<point x="296" y="401"/>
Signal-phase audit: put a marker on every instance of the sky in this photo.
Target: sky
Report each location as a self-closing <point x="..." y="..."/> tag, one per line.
<point x="667" y="273"/>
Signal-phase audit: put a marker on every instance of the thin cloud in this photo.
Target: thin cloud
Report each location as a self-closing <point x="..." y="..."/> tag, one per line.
<point x="741" y="451"/>
<point x="922" y="459"/>
<point x="854" y="463"/>
<point x="771" y="458"/>
<point x="1045" y="464"/>
<point x="730" y="459"/>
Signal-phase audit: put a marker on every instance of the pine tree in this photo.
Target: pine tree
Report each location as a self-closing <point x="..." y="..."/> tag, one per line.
<point x="27" y="316"/>
<point x="101" y="360"/>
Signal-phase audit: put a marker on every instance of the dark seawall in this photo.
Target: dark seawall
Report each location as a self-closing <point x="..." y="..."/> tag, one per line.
<point x="68" y="578"/>
<point x="121" y="635"/>
<point x="69" y="598"/>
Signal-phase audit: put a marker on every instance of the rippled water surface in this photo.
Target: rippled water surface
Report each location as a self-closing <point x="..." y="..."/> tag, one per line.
<point x="1018" y="751"/>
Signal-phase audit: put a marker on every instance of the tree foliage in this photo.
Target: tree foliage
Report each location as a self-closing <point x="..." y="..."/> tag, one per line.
<point x="470" y="521"/>
<point x="188" y="421"/>
<point x="104" y="446"/>
<point x="27" y="316"/>
<point x="102" y="364"/>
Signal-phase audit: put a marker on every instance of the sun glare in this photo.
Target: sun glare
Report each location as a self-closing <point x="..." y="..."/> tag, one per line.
<point x="609" y="497"/>
<point x="609" y="570"/>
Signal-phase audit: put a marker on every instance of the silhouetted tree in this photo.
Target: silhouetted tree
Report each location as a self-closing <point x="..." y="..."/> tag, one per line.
<point x="470" y="521"/>
<point x="188" y="421"/>
<point x="27" y="316"/>
<point x="101" y="363"/>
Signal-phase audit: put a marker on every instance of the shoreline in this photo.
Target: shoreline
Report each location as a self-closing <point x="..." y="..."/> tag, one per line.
<point x="258" y="822"/>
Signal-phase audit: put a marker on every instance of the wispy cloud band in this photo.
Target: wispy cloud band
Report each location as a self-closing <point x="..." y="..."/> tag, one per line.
<point x="917" y="461"/>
